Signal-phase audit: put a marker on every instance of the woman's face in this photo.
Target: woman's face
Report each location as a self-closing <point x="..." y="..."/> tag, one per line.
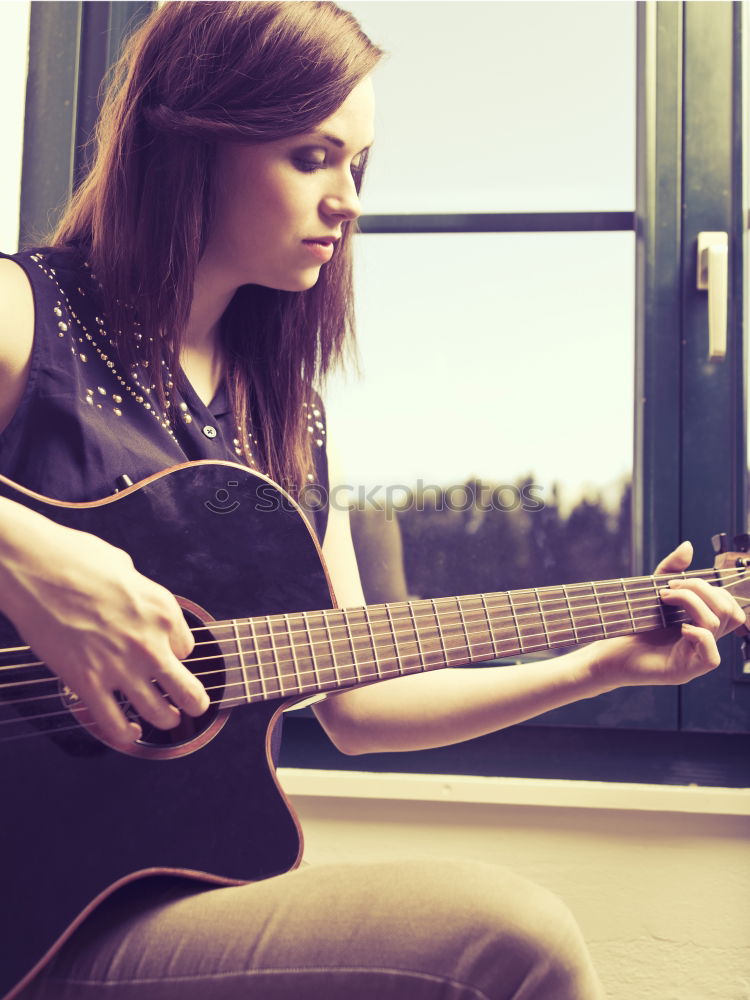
<point x="279" y="206"/>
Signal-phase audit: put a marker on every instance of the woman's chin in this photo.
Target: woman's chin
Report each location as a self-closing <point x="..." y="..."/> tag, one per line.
<point x="300" y="283"/>
<point x="306" y="280"/>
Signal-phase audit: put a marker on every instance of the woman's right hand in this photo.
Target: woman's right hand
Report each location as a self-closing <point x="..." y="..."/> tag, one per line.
<point x="97" y="623"/>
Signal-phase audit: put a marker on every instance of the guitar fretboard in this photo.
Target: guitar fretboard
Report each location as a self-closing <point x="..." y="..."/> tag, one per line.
<point x="284" y="656"/>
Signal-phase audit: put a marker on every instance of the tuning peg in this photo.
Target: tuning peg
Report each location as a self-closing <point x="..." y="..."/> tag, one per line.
<point x="742" y="543"/>
<point x="719" y="543"/>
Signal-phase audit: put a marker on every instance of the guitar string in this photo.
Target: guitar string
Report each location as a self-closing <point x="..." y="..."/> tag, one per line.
<point x="515" y="609"/>
<point x="234" y="701"/>
<point x="565" y="588"/>
<point x="552" y="632"/>
<point x="600" y="603"/>
<point x="356" y="664"/>
<point x="552" y="636"/>
<point x="335" y="682"/>
<point x="469" y="627"/>
<point x="264" y="681"/>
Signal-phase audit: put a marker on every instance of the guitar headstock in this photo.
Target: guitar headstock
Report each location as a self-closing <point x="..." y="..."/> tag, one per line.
<point x="738" y="557"/>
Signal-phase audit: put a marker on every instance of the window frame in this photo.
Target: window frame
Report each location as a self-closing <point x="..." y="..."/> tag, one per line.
<point x="71" y="46"/>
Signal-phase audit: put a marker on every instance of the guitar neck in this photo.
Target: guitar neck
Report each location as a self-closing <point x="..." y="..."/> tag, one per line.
<point x="284" y="656"/>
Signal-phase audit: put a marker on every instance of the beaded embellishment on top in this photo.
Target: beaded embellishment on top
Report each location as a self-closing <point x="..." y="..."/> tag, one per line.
<point x="135" y="387"/>
<point x="81" y="336"/>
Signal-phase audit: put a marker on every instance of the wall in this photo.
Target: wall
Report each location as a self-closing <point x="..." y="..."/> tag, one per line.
<point x="658" y="877"/>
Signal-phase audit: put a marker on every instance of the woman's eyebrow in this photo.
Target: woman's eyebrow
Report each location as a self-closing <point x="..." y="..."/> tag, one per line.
<point x="339" y="143"/>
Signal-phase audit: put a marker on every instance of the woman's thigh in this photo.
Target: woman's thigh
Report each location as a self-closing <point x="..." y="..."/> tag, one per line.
<point x="413" y="929"/>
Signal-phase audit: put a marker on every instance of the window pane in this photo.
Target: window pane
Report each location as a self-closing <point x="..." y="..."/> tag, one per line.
<point x="505" y="359"/>
<point x="496" y="107"/>
<point x="746" y="217"/>
<point x="14" y="59"/>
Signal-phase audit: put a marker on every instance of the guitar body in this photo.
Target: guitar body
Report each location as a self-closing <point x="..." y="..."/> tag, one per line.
<point x="78" y="817"/>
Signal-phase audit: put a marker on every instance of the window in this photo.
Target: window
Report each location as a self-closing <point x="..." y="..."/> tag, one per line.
<point x="529" y="319"/>
<point x="474" y="338"/>
<point x="14" y="52"/>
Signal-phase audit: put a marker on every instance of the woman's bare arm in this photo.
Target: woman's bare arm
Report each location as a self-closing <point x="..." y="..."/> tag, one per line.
<point x="435" y="709"/>
<point x="76" y="600"/>
<point x="95" y="621"/>
<point x="16" y="337"/>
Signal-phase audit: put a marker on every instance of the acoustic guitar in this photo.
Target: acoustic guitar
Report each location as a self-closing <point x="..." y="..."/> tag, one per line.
<point x="80" y="818"/>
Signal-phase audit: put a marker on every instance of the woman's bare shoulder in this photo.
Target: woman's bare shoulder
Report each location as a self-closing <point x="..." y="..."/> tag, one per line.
<point x="16" y="336"/>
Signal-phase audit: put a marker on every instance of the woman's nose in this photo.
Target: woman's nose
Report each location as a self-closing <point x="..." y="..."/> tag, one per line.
<point x="344" y="202"/>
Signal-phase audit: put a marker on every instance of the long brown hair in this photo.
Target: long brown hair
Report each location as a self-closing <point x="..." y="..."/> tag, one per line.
<point x="196" y="73"/>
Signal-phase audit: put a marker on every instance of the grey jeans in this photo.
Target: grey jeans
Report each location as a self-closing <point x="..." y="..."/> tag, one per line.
<point x="416" y="929"/>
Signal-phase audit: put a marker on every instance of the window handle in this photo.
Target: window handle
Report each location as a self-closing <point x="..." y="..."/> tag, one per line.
<point x="713" y="270"/>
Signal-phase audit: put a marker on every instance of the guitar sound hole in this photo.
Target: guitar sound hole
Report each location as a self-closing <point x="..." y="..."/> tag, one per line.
<point x="206" y="662"/>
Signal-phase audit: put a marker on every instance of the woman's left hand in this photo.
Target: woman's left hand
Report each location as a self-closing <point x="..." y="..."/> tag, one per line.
<point x="678" y="654"/>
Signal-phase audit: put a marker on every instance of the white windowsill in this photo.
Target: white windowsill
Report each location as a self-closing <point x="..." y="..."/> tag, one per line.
<point x="312" y="783"/>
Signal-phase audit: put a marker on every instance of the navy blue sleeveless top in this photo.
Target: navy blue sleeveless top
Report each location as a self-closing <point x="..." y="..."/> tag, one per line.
<point x="85" y="419"/>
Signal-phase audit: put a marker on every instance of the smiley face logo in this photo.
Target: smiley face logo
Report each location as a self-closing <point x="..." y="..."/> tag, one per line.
<point x="222" y="502"/>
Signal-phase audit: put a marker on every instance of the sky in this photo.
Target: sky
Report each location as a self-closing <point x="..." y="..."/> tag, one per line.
<point x="507" y="355"/>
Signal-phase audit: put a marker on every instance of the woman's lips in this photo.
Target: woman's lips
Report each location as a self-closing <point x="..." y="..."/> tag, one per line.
<point x="321" y="249"/>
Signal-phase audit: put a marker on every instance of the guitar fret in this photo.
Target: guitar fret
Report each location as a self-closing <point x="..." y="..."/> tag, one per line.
<point x="387" y="640"/>
<point x="570" y="612"/>
<point x="295" y="662"/>
<point x="659" y="605"/>
<point x="590" y="625"/>
<point x="399" y="660"/>
<point x="462" y="619"/>
<point x="347" y="663"/>
<point x="256" y="645"/>
<point x="627" y="603"/>
<point x="556" y="617"/>
<point x="370" y="633"/>
<point x="311" y="643"/>
<point x="408" y="636"/>
<point x="493" y="640"/>
<point x="333" y="652"/>
<point x="501" y="633"/>
<point x="387" y="651"/>
<point x="483" y="640"/>
<point x="426" y="632"/>
<point x="361" y="643"/>
<point x="420" y="651"/>
<point x="599" y="609"/>
<point x="243" y="666"/>
<point x="275" y="654"/>
<point x="346" y="625"/>
<point x="446" y="657"/>
<point x="515" y="621"/>
<point x="431" y="631"/>
<point x="541" y="615"/>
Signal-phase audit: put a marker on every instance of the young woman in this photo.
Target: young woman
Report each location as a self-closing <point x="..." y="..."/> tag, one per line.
<point x="193" y="296"/>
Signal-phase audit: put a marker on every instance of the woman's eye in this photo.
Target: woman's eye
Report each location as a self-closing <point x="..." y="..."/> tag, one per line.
<point x="357" y="171"/>
<point x="307" y="165"/>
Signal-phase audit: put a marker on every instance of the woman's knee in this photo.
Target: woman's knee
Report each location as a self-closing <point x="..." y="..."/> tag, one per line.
<point x="509" y="936"/>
